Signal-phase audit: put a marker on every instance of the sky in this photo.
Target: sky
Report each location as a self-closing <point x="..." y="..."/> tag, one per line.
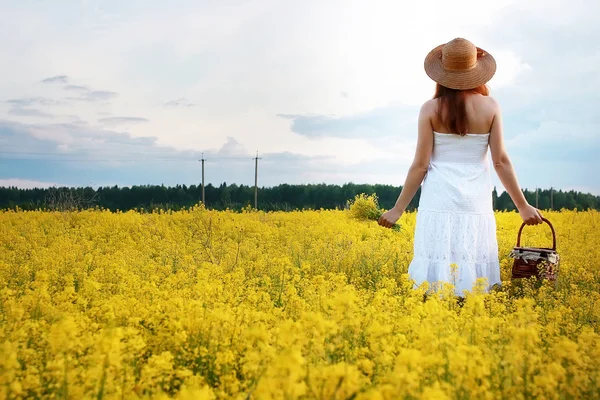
<point x="97" y="93"/>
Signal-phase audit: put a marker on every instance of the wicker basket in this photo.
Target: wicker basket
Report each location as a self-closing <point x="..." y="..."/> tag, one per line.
<point x="539" y="262"/>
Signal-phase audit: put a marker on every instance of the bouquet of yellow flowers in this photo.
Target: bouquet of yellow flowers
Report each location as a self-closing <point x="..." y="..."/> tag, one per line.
<point x="366" y="207"/>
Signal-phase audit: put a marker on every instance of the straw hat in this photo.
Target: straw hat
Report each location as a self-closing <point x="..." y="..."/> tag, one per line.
<point x="458" y="64"/>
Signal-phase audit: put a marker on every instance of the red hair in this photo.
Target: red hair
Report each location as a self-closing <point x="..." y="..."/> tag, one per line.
<point x="451" y="106"/>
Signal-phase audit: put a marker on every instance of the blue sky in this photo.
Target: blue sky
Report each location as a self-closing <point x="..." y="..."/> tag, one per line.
<point x="111" y="92"/>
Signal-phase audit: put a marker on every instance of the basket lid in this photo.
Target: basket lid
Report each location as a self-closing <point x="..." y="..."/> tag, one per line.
<point x="538" y="249"/>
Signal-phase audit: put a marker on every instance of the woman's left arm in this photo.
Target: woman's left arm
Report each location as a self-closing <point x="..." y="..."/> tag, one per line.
<point x="418" y="168"/>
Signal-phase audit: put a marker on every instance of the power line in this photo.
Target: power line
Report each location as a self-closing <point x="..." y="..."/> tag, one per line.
<point x="96" y="159"/>
<point x="88" y="159"/>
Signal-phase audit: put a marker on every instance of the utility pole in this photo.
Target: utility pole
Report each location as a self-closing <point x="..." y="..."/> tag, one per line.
<point x="256" y="181"/>
<point x="536" y="197"/>
<point x="203" y="199"/>
<point x="552" y="198"/>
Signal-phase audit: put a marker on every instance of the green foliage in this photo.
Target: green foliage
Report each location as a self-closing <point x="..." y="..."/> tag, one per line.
<point x="237" y="197"/>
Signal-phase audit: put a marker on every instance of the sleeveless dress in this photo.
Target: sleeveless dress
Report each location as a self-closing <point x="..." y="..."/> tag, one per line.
<point x="455" y="233"/>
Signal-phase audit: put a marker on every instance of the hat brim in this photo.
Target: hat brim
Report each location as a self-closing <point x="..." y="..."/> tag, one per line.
<point x="481" y="73"/>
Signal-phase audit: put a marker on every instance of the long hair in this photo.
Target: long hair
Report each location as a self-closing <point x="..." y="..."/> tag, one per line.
<point x="451" y="106"/>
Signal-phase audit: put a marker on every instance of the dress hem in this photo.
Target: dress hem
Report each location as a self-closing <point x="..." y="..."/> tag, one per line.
<point x="464" y="277"/>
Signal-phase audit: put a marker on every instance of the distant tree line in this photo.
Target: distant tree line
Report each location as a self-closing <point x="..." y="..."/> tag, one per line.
<point x="282" y="197"/>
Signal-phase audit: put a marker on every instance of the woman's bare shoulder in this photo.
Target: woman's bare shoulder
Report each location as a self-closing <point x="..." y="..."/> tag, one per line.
<point x="489" y="102"/>
<point x="429" y="108"/>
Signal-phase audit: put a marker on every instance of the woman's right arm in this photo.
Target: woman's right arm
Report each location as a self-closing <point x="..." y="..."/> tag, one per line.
<point x="506" y="172"/>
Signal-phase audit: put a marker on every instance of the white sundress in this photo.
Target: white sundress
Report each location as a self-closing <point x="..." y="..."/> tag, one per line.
<point x="455" y="218"/>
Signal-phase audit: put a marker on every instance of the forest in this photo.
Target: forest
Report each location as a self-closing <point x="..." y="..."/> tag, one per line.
<point x="283" y="197"/>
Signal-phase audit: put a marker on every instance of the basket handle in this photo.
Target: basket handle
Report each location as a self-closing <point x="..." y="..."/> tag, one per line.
<point x="551" y="227"/>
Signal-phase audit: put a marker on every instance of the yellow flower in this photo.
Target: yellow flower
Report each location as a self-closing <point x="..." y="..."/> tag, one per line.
<point x="304" y="304"/>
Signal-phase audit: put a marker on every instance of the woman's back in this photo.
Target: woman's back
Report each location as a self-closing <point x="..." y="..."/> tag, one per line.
<point x="480" y="111"/>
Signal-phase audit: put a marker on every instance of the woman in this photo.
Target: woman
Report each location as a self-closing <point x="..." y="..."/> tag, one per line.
<point x="455" y="235"/>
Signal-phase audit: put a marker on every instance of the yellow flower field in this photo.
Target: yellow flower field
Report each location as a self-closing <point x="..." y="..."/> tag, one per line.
<point x="203" y="304"/>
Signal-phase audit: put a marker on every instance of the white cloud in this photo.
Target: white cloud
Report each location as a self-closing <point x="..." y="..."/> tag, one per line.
<point x="243" y="63"/>
<point x="113" y="121"/>
<point x="229" y="58"/>
<point x="180" y="102"/>
<point x="510" y="66"/>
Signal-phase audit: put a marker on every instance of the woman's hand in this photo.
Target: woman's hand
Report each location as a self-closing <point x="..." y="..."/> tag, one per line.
<point x="389" y="218"/>
<point x="531" y="215"/>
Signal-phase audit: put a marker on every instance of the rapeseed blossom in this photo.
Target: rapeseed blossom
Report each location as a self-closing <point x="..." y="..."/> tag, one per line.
<point x="202" y="304"/>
